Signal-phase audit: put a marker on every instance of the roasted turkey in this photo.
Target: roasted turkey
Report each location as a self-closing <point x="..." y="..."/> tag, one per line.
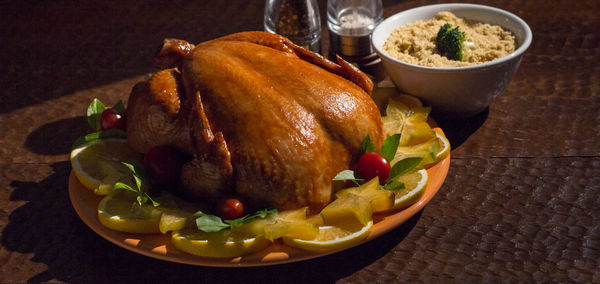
<point x="262" y="118"/>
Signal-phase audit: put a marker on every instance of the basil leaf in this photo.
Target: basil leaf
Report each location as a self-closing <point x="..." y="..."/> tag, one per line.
<point x="120" y="107"/>
<point x="120" y="185"/>
<point x="367" y="146"/>
<point x="390" y="146"/>
<point x="154" y="202"/>
<point x="210" y="223"/>
<point x="113" y="133"/>
<point x="265" y="212"/>
<point x="404" y="166"/>
<point x="141" y="182"/>
<point x="199" y="214"/>
<point x="249" y="218"/>
<point x="141" y="199"/>
<point x="394" y="185"/>
<point x="239" y="221"/>
<point x="94" y="112"/>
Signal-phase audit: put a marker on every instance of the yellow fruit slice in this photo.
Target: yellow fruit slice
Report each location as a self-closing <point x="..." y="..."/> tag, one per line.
<point x="426" y="150"/>
<point x="97" y="164"/>
<point x="224" y="243"/>
<point x="431" y="151"/>
<point x="348" y="207"/>
<point x="333" y="237"/>
<point x="119" y="213"/>
<point x="381" y="200"/>
<point x="409" y="121"/>
<point x="415" y="183"/>
<point x="173" y="220"/>
<point x="292" y="223"/>
<point x="444" y="150"/>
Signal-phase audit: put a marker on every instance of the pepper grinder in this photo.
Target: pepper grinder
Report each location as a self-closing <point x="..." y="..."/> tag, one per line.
<point x="298" y="20"/>
<point x="351" y="23"/>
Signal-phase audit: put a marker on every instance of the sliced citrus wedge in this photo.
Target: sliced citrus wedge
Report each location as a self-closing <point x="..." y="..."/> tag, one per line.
<point x="415" y="183"/>
<point x="444" y="150"/>
<point x="333" y="237"/>
<point x="224" y="243"/>
<point x="123" y="214"/>
<point x="97" y="164"/>
<point x="431" y="151"/>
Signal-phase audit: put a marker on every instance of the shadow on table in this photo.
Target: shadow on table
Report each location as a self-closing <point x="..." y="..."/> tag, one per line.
<point x="459" y="130"/>
<point x="44" y="140"/>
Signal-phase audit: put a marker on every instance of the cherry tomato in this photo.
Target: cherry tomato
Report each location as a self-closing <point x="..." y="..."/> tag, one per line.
<point x="163" y="164"/>
<point x="112" y="119"/>
<point x="372" y="164"/>
<point x="230" y="208"/>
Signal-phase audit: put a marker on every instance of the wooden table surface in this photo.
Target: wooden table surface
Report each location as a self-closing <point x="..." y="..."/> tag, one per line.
<point x="521" y="201"/>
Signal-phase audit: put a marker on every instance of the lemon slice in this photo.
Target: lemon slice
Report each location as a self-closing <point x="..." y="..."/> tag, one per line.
<point x="97" y="164"/>
<point x="415" y="183"/>
<point x="333" y="237"/>
<point x="224" y="243"/>
<point x="444" y="150"/>
<point x="119" y="213"/>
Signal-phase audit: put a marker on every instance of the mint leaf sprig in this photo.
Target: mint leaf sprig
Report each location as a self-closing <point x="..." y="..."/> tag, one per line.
<point x="211" y="223"/>
<point x="142" y="185"/>
<point x="388" y="151"/>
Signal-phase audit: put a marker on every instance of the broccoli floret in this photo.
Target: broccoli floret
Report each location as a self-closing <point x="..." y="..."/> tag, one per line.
<point x="450" y="42"/>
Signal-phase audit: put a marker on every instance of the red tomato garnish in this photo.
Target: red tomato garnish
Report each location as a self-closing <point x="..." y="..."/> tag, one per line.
<point x="230" y="208"/>
<point x="163" y="164"/>
<point x="112" y="119"/>
<point x="372" y="164"/>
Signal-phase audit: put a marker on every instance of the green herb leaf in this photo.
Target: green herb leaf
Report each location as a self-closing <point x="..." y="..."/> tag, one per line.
<point x="113" y="133"/>
<point x="404" y="166"/>
<point x="142" y="183"/>
<point x="249" y="218"/>
<point x="394" y="185"/>
<point x="367" y="146"/>
<point x="263" y="213"/>
<point x="390" y="146"/>
<point x="120" y="185"/>
<point x="120" y="107"/>
<point x="210" y="223"/>
<point x="94" y="112"/>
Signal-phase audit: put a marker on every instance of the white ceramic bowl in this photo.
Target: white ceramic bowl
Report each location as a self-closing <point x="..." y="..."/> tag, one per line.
<point x="454" y="91"/>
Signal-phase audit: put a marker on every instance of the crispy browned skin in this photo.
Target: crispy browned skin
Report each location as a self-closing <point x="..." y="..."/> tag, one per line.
<point x="263" y="118"/>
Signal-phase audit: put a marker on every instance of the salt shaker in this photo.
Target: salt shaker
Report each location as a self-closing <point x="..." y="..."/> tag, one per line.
<point x="351" y="23"/>
<point x="297" y="20"/>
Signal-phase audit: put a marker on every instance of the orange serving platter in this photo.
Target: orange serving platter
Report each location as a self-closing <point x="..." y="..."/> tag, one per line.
<point x="159" y="246"/>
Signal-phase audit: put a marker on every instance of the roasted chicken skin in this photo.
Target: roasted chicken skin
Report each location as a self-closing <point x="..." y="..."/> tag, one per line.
<point x="262" y="118"/>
